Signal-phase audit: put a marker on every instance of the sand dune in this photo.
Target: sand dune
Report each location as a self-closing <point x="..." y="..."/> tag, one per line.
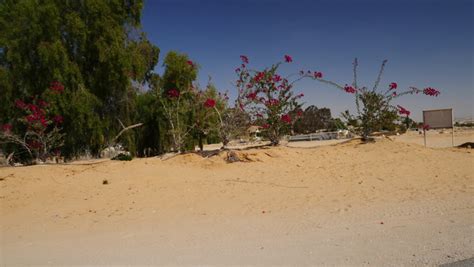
<point x="386" y="203"/>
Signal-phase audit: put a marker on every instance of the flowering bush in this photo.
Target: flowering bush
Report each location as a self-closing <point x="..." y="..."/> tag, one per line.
<point x="268" y="98"/>
<point x="374" y="106"/>
<point x="38" y="125"/>
<point x="199" y="105"/>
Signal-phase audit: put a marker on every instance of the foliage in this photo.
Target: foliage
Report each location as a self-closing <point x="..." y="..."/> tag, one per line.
<point x="94" y="48"/>
<point x="268" y="98"/>
<point x="37" y="128"/>
<point x="191" y="113"/>
<point x="314" y="119"/>
<point x="123" y="157"/>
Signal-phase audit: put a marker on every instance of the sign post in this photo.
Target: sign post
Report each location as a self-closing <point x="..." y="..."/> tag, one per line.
<point x="438" y="118"/>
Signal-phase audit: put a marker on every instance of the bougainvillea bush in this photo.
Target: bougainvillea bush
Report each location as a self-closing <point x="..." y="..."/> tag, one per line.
<point x="374" y="105"/>
<point x="36" y="129"/>
<point x="269" y="98"/>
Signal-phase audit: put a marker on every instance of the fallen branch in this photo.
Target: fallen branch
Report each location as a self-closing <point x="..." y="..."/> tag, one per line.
<point x="125" y="129"/>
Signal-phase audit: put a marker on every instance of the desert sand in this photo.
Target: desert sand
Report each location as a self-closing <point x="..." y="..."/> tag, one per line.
<point x="388" y="203"/>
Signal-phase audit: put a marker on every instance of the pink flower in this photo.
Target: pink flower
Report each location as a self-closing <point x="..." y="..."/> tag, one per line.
<point x="190" y="63"/>
<point x="259" y="76"/>
<point x="300" y="95"/>
<point x="403" y="111"/>
<point x="288" y="59"/>
<point x="7" y="128"/>
<point x="30" y="118"/>
<point x="20" y="104"/>
<point x="244" y="59"/>
<point x="349" y="89"/>
<point x="252" y="96"/>
<point x="58" y="119"/>
<point x="42" y="103"/>
<point x="431" y="91"/>
<point x="210" y="103"/>
<point x="173" y="93"/>
<point x="56" y="86"/>
<point x="276" y="78"/>
<point x="318" y="75"/>
<point x="43" y="122"/>
<point x="426" y="127"/>
<point x="266" y="126"/>
<point x="392" y="86"/>
<point x="394" y="94"/>
<point x="272" y="102"/>
<point x="286" y="118"/>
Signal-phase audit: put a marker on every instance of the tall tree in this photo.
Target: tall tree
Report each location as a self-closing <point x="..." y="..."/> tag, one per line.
<point x="94" y="47"/>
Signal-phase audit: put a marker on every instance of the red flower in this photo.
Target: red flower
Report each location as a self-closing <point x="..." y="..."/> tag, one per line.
<point x="349" y="89"/>
<point x="266" y="126"/>
<point x="318" y="75"/>
<point x="252" y="96"/>
<point x="56" y="86"/>
<point x="288" y="59"/>
<point x="272" y="102"/>
<point x="30" y="118"/>
<point x="244" y="59"/>
<point x="32" y="107"/>
<point x="42" y="103"/>
<point x="20" y="104"/>
<point x="286" y="118"/>
<point x="173" y="93"/>
<point x="431" y="91"/>
<point x="43" y="122"/>
<point x="299" y="113"/>
<point x="7" y="128"/>
<point x="58" y="119"/>
<point x="276" y="78"/>
<point x="210" y="103"/>
<point x="392" y="86"/>
<point x="259" y="76"/>
<point x="190" y="63"/>
<point x="426" y="127"/>
<point x="403" y="111"/>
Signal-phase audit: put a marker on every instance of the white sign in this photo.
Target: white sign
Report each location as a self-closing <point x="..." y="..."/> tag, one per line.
<point x="438" y="118"/>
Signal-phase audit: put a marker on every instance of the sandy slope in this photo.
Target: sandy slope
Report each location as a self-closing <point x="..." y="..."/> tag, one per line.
<point x="387" y="203"/>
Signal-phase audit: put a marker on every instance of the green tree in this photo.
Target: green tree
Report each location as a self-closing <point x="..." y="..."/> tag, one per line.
<point x="95" y="48"/>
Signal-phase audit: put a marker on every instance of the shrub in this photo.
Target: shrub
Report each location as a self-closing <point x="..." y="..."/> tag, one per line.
<point x="374" y="108"/>
<point x="268" y="98"/>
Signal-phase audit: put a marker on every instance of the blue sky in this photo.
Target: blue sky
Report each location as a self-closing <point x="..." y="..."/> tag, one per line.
<point x="426" y="42"/>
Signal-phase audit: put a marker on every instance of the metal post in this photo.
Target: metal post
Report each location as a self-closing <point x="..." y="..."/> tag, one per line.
<point x="452" y="125"/>
<point x="424" y="136"/>
<point x="452" y="137"/>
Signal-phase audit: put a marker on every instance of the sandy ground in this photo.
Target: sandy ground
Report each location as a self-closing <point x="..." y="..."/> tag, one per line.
<point x="438" y="138"/>
<point x="388" y="203"/>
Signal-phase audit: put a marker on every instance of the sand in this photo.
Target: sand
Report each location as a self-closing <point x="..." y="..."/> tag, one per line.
<point x="438" y="138"/>
<point x="388" y="203"/>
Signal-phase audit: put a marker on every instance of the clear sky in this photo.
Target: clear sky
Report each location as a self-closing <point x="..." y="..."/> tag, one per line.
<point x="426" y="42"/>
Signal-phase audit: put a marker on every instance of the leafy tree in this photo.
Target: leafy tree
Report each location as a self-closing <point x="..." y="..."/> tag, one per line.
<point x="94" y="48"/>
<point x="313" y="119"/>
<point x="176" y="96"/>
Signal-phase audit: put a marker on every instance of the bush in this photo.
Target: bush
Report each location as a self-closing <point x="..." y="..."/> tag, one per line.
<point x="123" y="157"/>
